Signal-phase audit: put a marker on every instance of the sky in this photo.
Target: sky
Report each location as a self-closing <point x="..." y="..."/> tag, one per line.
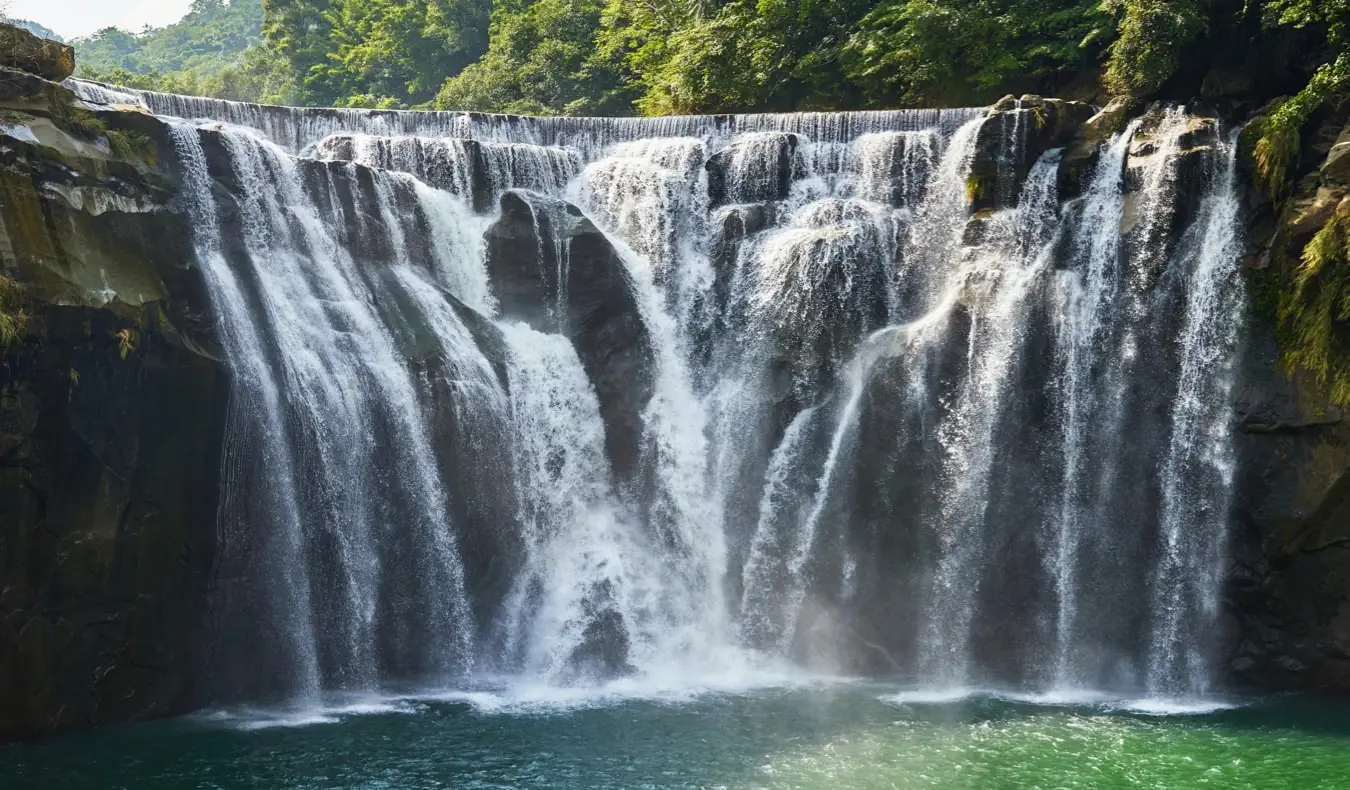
<point x="75" y="18"/>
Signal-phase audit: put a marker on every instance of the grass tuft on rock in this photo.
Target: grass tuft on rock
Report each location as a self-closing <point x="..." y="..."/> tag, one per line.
<point x="13" y="318"/>
<point x="1314" y="316"/>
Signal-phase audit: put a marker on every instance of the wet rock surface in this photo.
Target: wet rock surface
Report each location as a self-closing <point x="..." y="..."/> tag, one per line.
<point x="552" y="268"/>
<point x="1016" y="134"/>
<point x="112" y="409"/>
<point x="753" y="170"/>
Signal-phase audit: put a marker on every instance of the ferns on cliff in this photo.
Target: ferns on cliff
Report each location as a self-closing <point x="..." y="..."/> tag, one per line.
<point x="1315" y="313"/>
<point x="1273" y="138"/>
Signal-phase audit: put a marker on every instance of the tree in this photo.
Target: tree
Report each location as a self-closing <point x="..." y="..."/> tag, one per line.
<point x="540" y="61"/>
<point x="1152" y="35"/>
<point x="945" y="52"/>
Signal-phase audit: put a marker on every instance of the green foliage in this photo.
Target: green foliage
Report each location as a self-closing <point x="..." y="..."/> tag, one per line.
<point x="374" y="53"/>
<point x="682" y="57"/>
<point x="697" y="56"/>
<point x="1152" y="34"/>
<point x="126" y="342"/>
<point x="1315" y="314"/>
<point x="936" y="51"/>
<point x="74" y="118"/>
<point x="129" y="145"/>
<point x="1332" y="15"/>
<point x="210" y="38"/>
<point x="542" y="59"/>
<point x="1273" y="139"/>
<point x="13" y="319"/>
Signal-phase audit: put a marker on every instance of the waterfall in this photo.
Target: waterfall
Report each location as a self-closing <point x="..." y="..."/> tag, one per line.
<point x="999" y="279"/>
<point x="1197" y="476"/>
<point x="302" y="325"/>
<point x="576" y="402"/>
<point x="587" y="565"/>
<point x="256" y="408"/>
<point x="1085" y="292"/>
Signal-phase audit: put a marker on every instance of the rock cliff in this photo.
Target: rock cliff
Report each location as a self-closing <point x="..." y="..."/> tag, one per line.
<point x="111" y="405"/>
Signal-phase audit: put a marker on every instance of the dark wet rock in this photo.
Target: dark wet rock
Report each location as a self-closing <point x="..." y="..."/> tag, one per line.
<point x="1080" y="155"/>
<point x="15" y="84"/>
<point x="1016" y="134"/>
<point x="979" y="228"/>
<point x="1287" y="592"/>
<point x="603" y="652"/>
<point x="21" y="50"/>
<point x="478" y="171"/>
<point x="541" y="245"/>
<point x="1192" y="160"/>
<point x="753" y="169"/>
<point x="734" y="226"/>
<point x="112" y="411"/>
<point x="458" y="166"/>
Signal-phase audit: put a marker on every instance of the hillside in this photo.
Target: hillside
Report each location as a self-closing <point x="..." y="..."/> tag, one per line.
<point x="187" y="56"/>
<point x="41" y="31"/>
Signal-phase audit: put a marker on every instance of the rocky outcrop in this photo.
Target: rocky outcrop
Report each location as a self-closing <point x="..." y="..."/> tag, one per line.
<point x="1190" y="155"/>
<point x="754" y="169"/>
<point x="1081" y="152"/>
<point x="24" y="52"/>
<point x="1016" y="134"/>
<point x="1290" y="592"/>
<point x="111" y="416"/>
<point x="552" y="268"/>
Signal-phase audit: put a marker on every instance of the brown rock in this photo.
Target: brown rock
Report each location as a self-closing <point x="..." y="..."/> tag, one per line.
<point x="24" y="51"/>
<point x="1335" y="170"/>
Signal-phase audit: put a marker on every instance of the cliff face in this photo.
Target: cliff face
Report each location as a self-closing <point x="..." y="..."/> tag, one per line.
<point x="1290" y="588"/>
<point x="110" y="415"/>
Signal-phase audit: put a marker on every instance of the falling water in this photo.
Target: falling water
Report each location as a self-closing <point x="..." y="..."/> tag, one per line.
<point x="869" y="414"/>
<point x="1084" y="293"/>
<point x="999" y="279"/>
<point x="1198" y="473"/>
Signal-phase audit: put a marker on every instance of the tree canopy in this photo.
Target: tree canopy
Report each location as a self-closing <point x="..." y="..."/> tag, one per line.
<point x="688" y="56"/>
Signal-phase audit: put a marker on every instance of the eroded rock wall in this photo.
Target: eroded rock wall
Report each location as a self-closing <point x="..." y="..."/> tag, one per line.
<point x="111" y="416"/>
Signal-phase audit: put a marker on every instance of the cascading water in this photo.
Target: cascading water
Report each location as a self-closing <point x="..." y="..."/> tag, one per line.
<point x="870" y="428"/>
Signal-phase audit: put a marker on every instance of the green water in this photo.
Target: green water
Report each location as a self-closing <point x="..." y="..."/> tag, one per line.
<point x="842" y="736"/>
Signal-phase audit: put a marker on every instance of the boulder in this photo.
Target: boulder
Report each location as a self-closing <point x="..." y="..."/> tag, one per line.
<point x="603" y="651"/>
<point x="755" y="168"/>
<point x="1191" y="160"/>
<point x="1335" y="170"/>
<point x="1016" y="134"/>
<point x="24" y="51"/>
<point x="553" y="269"/>
<point x="1081" y="153"/>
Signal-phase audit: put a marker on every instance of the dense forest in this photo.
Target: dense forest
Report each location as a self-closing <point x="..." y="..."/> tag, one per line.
<point x="685" y="56"/>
